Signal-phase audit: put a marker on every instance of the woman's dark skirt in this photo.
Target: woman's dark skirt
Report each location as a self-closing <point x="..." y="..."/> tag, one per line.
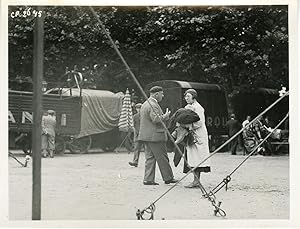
<point x="186" y="169"/>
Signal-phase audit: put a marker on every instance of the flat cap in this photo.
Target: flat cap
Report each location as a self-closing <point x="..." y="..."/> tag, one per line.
<point x="51" y="112"/>
<point x="155" y="89"/>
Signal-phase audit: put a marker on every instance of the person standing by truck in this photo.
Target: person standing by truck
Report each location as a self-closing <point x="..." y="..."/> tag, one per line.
<point x="48" y="133"/>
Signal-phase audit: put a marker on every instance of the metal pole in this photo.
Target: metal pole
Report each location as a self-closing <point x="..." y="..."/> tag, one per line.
<point x="38" y="57"/>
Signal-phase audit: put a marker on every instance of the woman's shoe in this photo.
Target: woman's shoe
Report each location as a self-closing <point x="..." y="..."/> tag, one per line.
<point x="150" y="183"/>
<point x="133" y="164"/>
<point x="192" y="185"/>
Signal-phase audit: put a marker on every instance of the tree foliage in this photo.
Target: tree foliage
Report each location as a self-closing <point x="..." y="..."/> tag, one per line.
<point x="232" y="46"/>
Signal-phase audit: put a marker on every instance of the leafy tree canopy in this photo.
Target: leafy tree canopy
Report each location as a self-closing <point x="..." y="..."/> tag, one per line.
<point x="228" y="45"/>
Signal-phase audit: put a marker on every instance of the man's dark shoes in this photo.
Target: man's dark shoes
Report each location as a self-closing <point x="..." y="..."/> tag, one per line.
<point x="133" y="164"/>
<point x="150" y="183"/>
<point x="172" y="181"/>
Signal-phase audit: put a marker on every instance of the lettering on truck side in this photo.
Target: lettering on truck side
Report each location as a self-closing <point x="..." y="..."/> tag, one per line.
<point x="216" y="121"/>
<point x="27" y="116"/>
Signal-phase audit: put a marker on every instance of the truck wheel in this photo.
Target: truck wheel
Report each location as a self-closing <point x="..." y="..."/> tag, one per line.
<point x="80" y="145"/>
<point x="60" y="145"/>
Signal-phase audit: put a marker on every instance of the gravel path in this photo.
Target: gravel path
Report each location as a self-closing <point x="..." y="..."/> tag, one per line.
<point x="102" y="186"/>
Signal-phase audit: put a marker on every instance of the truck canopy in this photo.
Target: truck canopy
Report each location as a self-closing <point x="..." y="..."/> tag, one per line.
<point x="100" y="110"/>
<point x="78" y="113"/>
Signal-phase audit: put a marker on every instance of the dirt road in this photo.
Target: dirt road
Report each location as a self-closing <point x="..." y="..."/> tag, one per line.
<point x="102" y="186"/>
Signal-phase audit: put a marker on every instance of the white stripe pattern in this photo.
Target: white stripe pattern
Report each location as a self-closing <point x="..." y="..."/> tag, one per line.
<point x="126" y="117"/>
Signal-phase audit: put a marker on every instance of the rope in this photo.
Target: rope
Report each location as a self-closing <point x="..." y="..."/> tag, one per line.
<point x="145" y="96"/>
<point x="228" y="177"/>
<point x="149" y="210"/>
<point x="134" y="78"/>
<point x="216" y="204"/>
<point x="14" y="157"/>
<point x="163" y="124"/>
<point x="136" y="81"/>
<point x="127" y="135"/>
<point x="220" y="147"/>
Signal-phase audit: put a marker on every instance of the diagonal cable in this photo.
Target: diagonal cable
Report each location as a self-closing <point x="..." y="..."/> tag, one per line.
<point x="225" y="181"/>
<point x="163" y="124"/>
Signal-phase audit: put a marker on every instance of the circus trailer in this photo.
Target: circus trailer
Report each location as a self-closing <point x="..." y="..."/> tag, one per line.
<point x="85" y="118"/>
<point x="211" y="96"/>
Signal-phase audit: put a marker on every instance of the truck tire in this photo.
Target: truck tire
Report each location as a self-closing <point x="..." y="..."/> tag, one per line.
<point x="60" y="145"/>
<point x="80" y="145"/>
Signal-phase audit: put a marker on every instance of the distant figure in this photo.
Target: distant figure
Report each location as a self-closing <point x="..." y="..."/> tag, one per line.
<point x="247" y="121"/>
<point x="233" y="127"/>
<point x="249" y="138"/>
<point x="48" y="133"/>
<point x="137" y="144"/>
<point x="252" y="136"/>
<point x="266" y="121"/>
<point x="154" y="136"/>
<point x="261" y="131"/>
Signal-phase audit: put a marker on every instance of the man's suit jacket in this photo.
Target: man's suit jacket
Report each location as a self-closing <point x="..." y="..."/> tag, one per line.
<point x="151" y="130"/>
<point x="233" y="126"/>
<point x="48" y="125"/>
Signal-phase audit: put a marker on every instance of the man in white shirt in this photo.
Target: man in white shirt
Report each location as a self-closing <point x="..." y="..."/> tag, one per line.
<point x="247" y="121"/>
<point x="48" y="133"/>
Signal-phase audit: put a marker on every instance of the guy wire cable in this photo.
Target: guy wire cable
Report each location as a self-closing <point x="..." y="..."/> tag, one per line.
<point x="228" y="177"/>
<point x="145" y="96"/>
<point x="241" y="130"/>
<point x="134" y="78"/>
<point x="277" y="126"/>
<point x="234" y="136"/>
<point x="225" y="143"/>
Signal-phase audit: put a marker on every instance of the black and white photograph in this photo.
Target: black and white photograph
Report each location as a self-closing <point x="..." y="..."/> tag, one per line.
<point x="154" y="113"/>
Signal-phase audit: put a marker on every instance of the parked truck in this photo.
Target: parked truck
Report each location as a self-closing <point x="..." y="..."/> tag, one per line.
<point x="84" y="118"/>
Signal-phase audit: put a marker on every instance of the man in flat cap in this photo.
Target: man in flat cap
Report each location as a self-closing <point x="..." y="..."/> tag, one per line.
<point x="137" y="144"/>
<point x="48" y="133"/>
<point x="154" y="136"/>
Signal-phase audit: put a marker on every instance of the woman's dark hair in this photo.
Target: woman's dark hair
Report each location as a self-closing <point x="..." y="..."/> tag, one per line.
<point x="191" y="91"/>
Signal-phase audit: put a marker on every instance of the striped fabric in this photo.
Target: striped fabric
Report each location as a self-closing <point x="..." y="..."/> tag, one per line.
<point x="126" y="117"/>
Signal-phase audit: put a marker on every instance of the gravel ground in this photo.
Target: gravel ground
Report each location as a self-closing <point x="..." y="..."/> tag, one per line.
<point x="102" y="186"/>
